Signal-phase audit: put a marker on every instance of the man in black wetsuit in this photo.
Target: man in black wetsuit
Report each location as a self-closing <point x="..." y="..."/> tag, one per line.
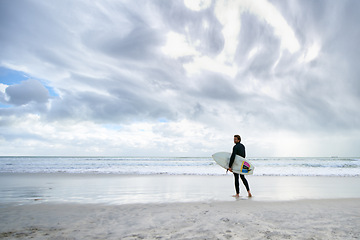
<point x="238" y="149"/>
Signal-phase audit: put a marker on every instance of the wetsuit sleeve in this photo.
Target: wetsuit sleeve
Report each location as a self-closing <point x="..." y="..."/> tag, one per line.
<point x="232" y="158"/>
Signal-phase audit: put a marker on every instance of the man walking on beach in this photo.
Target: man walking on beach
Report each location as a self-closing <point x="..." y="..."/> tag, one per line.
<point x="238" y="149"/>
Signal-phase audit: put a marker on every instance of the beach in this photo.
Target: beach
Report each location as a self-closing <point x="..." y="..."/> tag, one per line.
<point x="75" y="206"/>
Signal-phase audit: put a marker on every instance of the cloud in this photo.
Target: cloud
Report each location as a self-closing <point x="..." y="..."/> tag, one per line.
<point x="26" y="92"/>
<point x="197" y="5"/>
<point x="177" y="46"/>
<point x="179" y="77"/>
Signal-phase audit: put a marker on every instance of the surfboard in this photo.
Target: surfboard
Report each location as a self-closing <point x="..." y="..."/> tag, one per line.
<point x="240" y="165"/>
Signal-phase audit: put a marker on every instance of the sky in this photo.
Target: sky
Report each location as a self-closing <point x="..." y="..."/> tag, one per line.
<point x="179" y="78"/>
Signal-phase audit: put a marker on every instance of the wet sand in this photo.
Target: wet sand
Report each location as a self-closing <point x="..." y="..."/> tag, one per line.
<point x="128" y="189"/>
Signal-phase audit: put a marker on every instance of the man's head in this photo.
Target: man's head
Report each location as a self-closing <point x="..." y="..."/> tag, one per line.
<point x="237" y="138"/>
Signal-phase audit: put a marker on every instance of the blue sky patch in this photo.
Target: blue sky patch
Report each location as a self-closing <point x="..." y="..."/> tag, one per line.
<point x="163" y="120"/>
<point x="4" y="105"/>
<point x="11" y="77"/>
<point x="112" y="126"/>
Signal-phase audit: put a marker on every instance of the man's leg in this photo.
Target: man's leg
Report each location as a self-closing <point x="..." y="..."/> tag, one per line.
<point x="245" y="182"/>
<point x="236" y="177"/>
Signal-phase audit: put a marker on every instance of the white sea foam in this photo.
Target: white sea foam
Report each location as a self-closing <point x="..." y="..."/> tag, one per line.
<point x="179" y="166"/>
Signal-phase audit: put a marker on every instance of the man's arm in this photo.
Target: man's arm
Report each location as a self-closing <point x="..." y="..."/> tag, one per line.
<point x="232" y="158"/>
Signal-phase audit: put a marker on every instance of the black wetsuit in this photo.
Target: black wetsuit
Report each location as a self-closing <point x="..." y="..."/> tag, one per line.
<point x="238" y="149"/>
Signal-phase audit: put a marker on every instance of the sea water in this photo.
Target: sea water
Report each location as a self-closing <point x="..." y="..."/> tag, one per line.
<point x="286" y="166"/>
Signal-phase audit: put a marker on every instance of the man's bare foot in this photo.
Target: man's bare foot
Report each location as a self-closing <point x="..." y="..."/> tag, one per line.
<point x="236" y="196"/>
<point x="249" y="194"/>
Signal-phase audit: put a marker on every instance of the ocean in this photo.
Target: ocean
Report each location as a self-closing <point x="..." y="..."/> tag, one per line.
<point x="285" y="166"/>
<point x="129" y="180"/>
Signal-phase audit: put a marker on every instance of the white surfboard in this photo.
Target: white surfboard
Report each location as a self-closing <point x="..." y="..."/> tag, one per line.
<point x="240" y="165"/>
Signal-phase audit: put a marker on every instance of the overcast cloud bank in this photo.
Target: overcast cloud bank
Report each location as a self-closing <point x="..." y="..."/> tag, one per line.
<point x="179" y="77"/>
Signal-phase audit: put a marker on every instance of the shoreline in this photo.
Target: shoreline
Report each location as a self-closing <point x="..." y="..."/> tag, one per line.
<point x="299" y="219"/>
<point x="27" y="188"/>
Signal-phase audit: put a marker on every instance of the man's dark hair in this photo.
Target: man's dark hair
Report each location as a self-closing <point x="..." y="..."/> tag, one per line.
<point x="238" y="137"/>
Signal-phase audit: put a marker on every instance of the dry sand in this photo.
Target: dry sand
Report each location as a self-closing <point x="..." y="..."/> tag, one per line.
<point x="242" y="219"/>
